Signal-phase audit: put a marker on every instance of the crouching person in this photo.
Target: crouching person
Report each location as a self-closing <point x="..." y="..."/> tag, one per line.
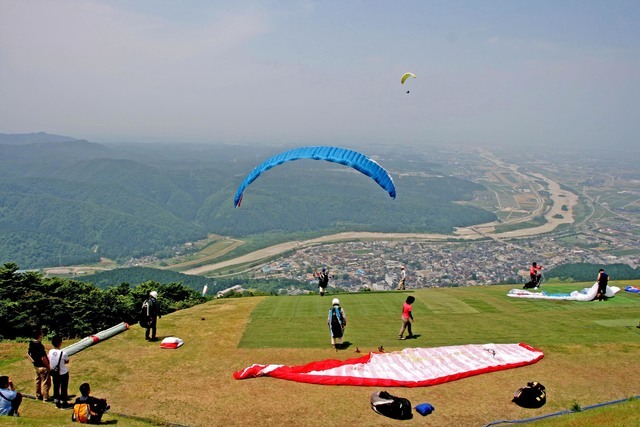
<point x="10" y="399"/>
<point x="88" y="409"/>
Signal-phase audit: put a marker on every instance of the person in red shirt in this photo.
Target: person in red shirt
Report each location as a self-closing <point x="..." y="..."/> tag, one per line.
<point x="535" y="274"/>
<point x="407" y="317"/>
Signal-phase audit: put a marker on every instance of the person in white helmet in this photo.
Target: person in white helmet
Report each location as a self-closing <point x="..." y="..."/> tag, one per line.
<point x="152" y="310"/>
<point x="337" y="321"/>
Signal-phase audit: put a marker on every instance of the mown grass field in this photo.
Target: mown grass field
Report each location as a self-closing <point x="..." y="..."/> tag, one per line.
<point x="591" y="356"/>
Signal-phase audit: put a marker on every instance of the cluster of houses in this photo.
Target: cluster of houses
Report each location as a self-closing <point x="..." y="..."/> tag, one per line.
<point x="375" y="265"/>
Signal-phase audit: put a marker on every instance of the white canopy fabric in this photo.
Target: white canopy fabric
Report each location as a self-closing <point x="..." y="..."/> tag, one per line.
<point x="411" y="367"/>
<point x="586" y="294"/>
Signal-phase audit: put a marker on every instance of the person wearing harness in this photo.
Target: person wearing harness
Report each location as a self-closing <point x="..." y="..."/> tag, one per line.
<point x="153" y="313"/>
<point x="337" y="322"/>
<point x="323" y="281"/>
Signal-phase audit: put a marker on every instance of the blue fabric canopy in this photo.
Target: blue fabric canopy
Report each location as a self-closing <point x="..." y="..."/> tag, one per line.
<point x="353" y="159"/>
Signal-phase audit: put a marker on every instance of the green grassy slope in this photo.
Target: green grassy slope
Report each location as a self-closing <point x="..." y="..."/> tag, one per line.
<point x="451" y="316"/>
<point x="590" y="350"/>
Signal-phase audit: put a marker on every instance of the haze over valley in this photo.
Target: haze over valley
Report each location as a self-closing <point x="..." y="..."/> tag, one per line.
<point x="70" y="202"/>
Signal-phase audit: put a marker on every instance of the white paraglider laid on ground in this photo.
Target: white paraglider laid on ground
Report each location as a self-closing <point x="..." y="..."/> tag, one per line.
<point x="586" y="294"/>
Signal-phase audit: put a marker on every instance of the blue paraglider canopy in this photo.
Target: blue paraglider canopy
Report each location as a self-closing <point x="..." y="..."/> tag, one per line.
<point x="353" y="159"/>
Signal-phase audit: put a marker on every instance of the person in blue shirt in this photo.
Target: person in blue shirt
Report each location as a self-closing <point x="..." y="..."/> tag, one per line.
<point x="10" y="399"/>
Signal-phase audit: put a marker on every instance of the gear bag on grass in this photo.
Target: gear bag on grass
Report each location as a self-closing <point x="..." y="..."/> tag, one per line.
<point x="82" y="413"/>
<point x="533" y="395"/>
<point x="391" y="406"/>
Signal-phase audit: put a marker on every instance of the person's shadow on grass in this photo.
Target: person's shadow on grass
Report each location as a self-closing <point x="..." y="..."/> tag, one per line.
<point x="345" y="345"/>
<point x="414" y="336"/>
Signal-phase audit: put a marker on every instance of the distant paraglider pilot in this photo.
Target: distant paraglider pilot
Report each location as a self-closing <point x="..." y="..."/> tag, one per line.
<point x="405" y="76"/>
<point x="323" y="281"/>
<point x="151" y="311"/>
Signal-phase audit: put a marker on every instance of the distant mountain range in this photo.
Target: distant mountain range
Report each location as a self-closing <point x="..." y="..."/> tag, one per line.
<point x="68" y="201"/>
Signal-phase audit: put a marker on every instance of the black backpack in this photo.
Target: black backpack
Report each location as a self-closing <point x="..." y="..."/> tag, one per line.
<point x="533" y="395"/>
<point x="391" y="406"/>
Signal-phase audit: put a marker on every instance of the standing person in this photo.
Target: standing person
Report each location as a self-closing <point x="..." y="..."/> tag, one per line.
<point x="403" y="276"/>
<point x="538" y="275"/>
<point x="58" y="360"/>
<point x="152" y="309"/>
<point x="337" y="321"/>
<point x="603" y="280"/>
<point x="323" y="281"/>
<point x="407" y="318"/>
<point x="97" y="405"/>
<point x="38" y="356"/>
<point x="10" y="399"/>
<point x="535" y="274"/>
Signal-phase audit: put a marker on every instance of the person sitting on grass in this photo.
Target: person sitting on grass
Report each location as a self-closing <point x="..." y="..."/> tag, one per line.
<point x="10" y="399"/>
<point x="97" y="406"/>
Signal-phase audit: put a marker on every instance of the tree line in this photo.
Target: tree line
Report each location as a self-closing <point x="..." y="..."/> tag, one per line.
<point x="583" y="272"/>
<point x="74" y="309"/>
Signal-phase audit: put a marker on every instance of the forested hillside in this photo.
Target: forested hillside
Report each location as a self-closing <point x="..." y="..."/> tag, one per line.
<point x="65" y="201"/>
<point x="72" y="308"/>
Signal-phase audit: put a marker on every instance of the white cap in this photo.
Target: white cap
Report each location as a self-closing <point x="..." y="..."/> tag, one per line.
<point x="335" y="301"/>
<point x="153" y="294"/>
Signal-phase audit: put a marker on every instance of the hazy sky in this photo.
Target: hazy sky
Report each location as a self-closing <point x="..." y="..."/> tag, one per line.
<point x="529" y="73"/>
